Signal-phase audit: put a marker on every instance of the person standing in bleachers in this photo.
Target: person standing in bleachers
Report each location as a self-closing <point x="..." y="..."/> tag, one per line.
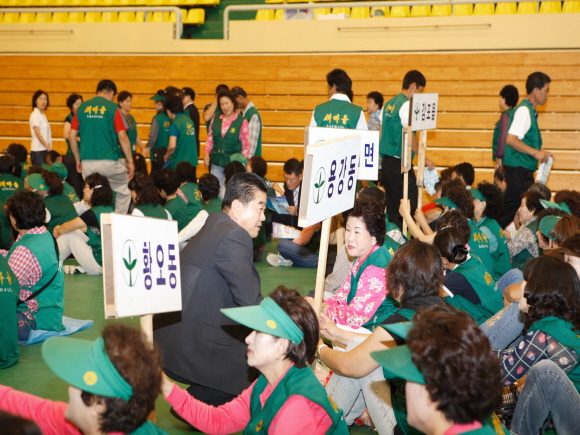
<point x="159" y="131"/>
<point x="125" y="98"/>
<point x="339" y="112"/>
<point x="250" y="114"/>
<point x="39" y="128"/>
<point x="102" y="128"/>
<point x="524" y="145"/>
<point x="188" y="98"/>
<point x="394" y="117"/>
<point x="508" y="100"/>
<point x="182" y="142"/>
<point x="73" y="102"/>
<point x="375" y="102"/>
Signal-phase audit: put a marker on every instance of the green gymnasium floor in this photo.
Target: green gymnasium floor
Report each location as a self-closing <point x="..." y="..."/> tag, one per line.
<point x="84" y="300"/>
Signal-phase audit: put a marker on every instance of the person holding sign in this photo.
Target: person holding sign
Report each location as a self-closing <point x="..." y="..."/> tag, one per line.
<point x="113" y="383"/>
<point x="523" y="148"/>
<point x="286" y="398"/>
<point x="395" y="116"/>
<point x="339" y="112"/>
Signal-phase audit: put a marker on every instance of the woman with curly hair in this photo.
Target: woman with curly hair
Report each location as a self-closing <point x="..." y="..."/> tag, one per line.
<point x="146" y="198"/>
<point x="82" y="235"/>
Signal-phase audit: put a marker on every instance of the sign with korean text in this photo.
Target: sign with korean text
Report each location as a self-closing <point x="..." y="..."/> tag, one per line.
<point x="329" y="180"/>
<point x="368" y="168"/>
<point x="423" y="109"/>
<point x="140" y="265"/>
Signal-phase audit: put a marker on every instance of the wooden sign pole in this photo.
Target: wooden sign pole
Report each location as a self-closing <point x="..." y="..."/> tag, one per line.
<point x="421" y="167"/>
<point x="147" y="330"/>
<point x="321" y="271"/>
<point x="405" y="163"/>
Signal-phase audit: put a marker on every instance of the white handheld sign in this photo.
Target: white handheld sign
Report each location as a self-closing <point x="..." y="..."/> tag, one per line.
<point x="141" y="271"/>
<point x="368" y="168"/>
<point x="330" y="175"/>
<point x="423" y="111"/>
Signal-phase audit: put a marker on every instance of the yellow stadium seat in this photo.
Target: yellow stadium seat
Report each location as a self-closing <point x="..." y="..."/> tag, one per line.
<point x="76" y="17"/>
<point x="41" y="3"/>
<point x="110" y="17"/>
<point x="59" y="17"/>
<point x="400" y="11"/>
<point x="279" y="15"/>
<point x="138" y="3"/>
<point x="76" y="3"/>
<point x="506" y="8"/>
<point x="360" y="13"/>
<point x="25" y="3"/>
<point x="8" y="3"/>
<point x="321" y="11"/>
<point x="126" y="17"/>
<point x="10" y="18"/>
<point x="208" y="2"/>
<point x="139" y="17"/>
<point x="29" y="17"/>
<point x="155" y="17"/>
<point x="89" y="3"/>
<point x="441" y="10"/>
<point x="154" y="2"/>
<point x="169" y="17"/>
<point x="571" y="7"/>
<point x="345" y="11"/>
<point x="275" y="2"/>
<point x="551" y="7"/>
<point x="420" y="11"/>
<point x="93" y="17"/>
<point x="462" y="9"/>
<point x="527" y="7"/>
<point x="105" y="3"/>
<point x="484" y="9"/>
<point x="380" y="11"/>
<point x="265" y="15"/>
<point x="125" y="3"/>
<point x="197" y="16"/>
<point x="171" y="2"/>
<point x="60" y="3"/>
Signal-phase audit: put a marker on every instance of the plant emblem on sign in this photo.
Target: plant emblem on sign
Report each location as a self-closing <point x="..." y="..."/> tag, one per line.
<point x="319" y="185"/>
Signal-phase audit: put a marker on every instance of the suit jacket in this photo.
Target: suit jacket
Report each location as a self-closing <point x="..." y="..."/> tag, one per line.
<point x="199" y="343"/>
<point x="194" y="115"/>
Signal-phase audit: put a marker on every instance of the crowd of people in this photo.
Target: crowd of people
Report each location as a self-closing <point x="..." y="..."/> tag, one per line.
<point x="418" y="332"/>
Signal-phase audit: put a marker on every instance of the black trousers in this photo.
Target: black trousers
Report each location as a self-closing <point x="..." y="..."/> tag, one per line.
<point x="201" y="393"/>
<point x="392" y="180"/>
<point x="518" y="181"/>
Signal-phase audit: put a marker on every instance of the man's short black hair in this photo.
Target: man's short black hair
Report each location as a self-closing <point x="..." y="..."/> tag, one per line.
<point x="416" y="77"/>
<point x="27" y="209"/>
<point x="377" y="97"/>
<point x="238" y="91"/>
<point x="536" y="80"/>
<point x="510" y="94"/>
<point x="107" y="85"/>
<point x="293" y="166"/>
<point x="341" y="79"/>
<point x="243" y="186"/>
<point x="209" y="187"/>
<point x="222" y="87"/>
<point x="7" y="164"/>
<point x="465" y="170"/>
<point x="174" y="104"/>
<point x="166" y="179"/>
<point x="189" y="92"/>
<point x="186" y="172"/>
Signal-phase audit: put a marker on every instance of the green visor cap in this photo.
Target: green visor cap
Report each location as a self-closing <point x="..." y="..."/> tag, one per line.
<point x="399" y="329"/>
<point x="59" y="169"/>
<point x="446" y="201"/>
<point x="238" y="157"/>
<point x="85" y="365"/>
<point x="560" y="206"/>
<point x="36" y="181"/>
<point x="157" y="97"/>
<point x="476" y="194"/>
<point x="397" y="363"/>
<point x="547" y="224"/>
<point x="267" y="317"/>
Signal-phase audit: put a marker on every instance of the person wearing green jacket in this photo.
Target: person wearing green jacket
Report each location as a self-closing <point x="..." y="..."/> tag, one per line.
<point x="158" y="140"/>
<point x="146" y="198"/>
<point x="166" y="181"/>
<point x="125" y="100"/>
<point x="508" y="100"/>
<point x="250" y="114"/>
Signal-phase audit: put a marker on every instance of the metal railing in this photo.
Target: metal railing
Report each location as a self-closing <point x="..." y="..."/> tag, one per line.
<point x="146" y="9"/>
<point x="358" y="4"/>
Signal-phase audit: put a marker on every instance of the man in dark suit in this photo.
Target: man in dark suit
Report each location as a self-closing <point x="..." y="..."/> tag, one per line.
<point x="188" y="97"/>
<point x="200" y="345"/>
<point x="292" y="184"/>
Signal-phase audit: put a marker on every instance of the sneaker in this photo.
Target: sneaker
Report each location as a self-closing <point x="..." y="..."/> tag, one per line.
<point x="277" y="260"/>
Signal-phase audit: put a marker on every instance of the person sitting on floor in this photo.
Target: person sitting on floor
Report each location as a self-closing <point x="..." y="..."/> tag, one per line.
<point x="189" y="189"/>
<point x="146" y="198"/>
<point x="166" y="181"/>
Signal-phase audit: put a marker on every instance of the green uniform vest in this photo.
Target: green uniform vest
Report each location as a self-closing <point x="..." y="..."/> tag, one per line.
<point x="193" y="195"/>
<point x="8" y="186"/>
<point x="51" y="300"/>
<point x="24" y="170"/>
<point x="485" y="287"/>
<point x="562" y="331"/>
<point x="131" y="133"/>
<point x="391" y="142"/>
<point x="248" y="116"/>
<point x="501" y="257"/>
<point x="380" y="258"/>
<point x="224" y="147"/>
<point x="70" y="192"/>
<point x="479" y="244"/>
<point x="69" y="119"/>
<point x="213" y="206"/>
<point x="533" y="138"/>
<point x="186" y="148"/>
<point x="337" y="114"/>
<point x="521" y="258"/>
<point x="163" y="122"/>
<point x="495" y="140"/>
<point x="94" y="233"/>
<point x="178" y="210"/>
<point x="154" y="211"/>
<point x="216" y="115"/>
<point x="296" y="382"/>
<point x="61" y="210"/>
<point x="9" y="295"/>
<point x="97" y="128"/>
<point x="391" y="245"/>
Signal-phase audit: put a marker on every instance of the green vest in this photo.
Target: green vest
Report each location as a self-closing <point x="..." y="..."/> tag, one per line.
<point x="337" y="114"/>
<point x="154" y="211"/>
<point x="178" y="210"/>
<point x="485" y="287"/>
<point x="163" y="122"/>
<point x="186" y="147"/>
<point x="24" y="170"/>
<point x="148" y="428"/>
<point x="479" y="244"/>
<point x="195" y="203"/>
<point x="296" y="382"/>
<point x="533" y="138"/>
<point x="70" y="192"/>
<point x="224" y="147"/>
<point x="391" y="245"/>
<point x="51" y="300"/>
<point x="69" y="119"/>
<point x="495" y="140"/>
<point x="562" y="331"/>
<point x="61" y="210"/>
<point x="216" y="115"/>
<point x="9" y="296"/>
<point x="97" y="128"/>
<point x="213" y="206"/>
<point x="391" y="142"/>
<point x="131" y="133"/>
<point x="248" y="116"/>
<point x="520" y="260"/>
<point x="9" y="184"/>
<point x="94" y="233"/>
<point x="501" y="257"/>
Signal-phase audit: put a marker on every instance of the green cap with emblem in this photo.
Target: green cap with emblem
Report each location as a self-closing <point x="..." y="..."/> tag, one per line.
<point x="267" y="317"/>
<point x="446" y="201"/>
<point x="157" y="97"/>
<point x="397" y="363"/>
<point x="476" y="194"/>
<point x="85" y="364"/>
<point x="36" y="181"/>
<point x="238" y="157"/>
<point x="58" y="168"/>
<point x="547" y="224"/>
<point x="560" y="206"/>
